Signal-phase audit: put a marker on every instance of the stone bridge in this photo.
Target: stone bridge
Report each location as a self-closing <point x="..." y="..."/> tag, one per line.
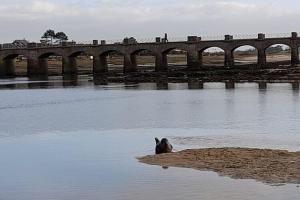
<point x="37" y="57"/>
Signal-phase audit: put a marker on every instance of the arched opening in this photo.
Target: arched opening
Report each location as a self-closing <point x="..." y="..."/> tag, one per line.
<point x="279" y="54"/>
<point x="52" y="63"/>
<point x="15" y="65"/>
<point x="212" y="57"/>
<point x="144" y="60"/>
<point x="245" y="55"/>
<point x="111" y="62"/>
<point x="82" y="62"/>
<point x="176" y="58"/>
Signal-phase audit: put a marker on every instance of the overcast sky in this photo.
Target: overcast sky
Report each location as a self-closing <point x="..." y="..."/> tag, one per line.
<point x="111" y="19"/>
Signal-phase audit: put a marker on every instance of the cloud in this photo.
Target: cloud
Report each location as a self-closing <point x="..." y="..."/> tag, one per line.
<point x="144" y="18"/>
<point x="43" y="7"/>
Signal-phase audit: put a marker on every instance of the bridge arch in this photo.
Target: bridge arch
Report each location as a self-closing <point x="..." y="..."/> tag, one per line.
<point x="212" y="56"/>
<point x="50" y="63"/>
<point x="245" y="55"/>
<point x="76" y="53"/>
<point x="112" y="51"/>
<point x="48" y="54"/>
<point x="143" y="60"/>
<point x="14" y="64"/>
<point x="11" y="56"/>
<point x="78" y="62"/>
<point x="109" y="61"/>
<point x="175" y="56"/>
<point x="141" y="50"/>
<point x="168" y="49"/>
<point x="211" y="46"/>
<point x="277" y="54"/>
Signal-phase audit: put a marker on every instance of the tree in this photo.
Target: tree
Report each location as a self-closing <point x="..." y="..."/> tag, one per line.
<point x="61" y="37"/>
<point x="49" y="34"/>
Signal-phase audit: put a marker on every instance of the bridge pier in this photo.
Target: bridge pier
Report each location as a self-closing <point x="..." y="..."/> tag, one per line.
<point x="194" y="84"/>
<point x="294" y="55"/>
<point x="262" y="85"/>
<point x="161" y="62"/>
<point x="70" y="80"/>
<point x="100" y="80"/>
<point x="69" y="65"/>
<point x="262" y="58"/>
<point x="295" y="85"/>
<point x="2" y="70"/>
<point x="229" y="60"/>
<point x="162" y="83"/>
<point x="193" y="60"/>
<point x="100" y="65"/>
<point x="37" y="66"/>
<point x="133" y="60"/>
<point x="129" y="66"/>
<point x="7" y="67"/>
<point x="229" y="84"/>
<point x="200" y="59"/>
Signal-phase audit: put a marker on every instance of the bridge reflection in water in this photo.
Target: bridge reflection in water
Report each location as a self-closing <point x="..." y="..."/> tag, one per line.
<point x="104" y="82"/>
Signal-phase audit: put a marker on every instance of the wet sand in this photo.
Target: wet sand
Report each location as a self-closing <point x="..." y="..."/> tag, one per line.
<point x="264" y="165"/>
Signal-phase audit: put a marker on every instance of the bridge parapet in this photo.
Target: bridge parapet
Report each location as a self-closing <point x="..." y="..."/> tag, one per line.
<point x="189" y="39"/>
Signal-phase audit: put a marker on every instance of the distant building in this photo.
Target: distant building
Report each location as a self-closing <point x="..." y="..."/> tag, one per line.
<point x="20" y="43"/>
<point x="130" y="40"/>
<point x="16" y="44"/>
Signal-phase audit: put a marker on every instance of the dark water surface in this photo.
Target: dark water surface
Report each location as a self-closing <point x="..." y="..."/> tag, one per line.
<point x="70" y="142"/>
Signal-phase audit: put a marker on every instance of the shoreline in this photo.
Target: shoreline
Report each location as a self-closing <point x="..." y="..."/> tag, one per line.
<point x="182" y="74"/>
<point x="263" y="165"/>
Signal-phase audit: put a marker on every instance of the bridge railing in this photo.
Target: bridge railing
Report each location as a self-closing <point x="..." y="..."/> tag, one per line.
<point x="145" y="40"/>
<point x="212" y="37"/>
<point x="87" y="42"/>
<point x="152" y="40"/>
<point x="113" y="41"/>
<point x="278" y="35"/>
<point x="177" y="39"/>
<point x="245" y="36"/>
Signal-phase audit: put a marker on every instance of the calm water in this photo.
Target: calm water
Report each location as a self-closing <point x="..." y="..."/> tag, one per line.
<point x="81" y="142"/>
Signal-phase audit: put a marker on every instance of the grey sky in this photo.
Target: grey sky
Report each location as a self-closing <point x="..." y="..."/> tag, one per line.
<point x="112" y="19"/>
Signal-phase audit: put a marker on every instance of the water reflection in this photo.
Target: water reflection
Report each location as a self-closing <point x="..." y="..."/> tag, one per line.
<point x="70" y="80"/>
<point x="11" y="86"/>
<point x="130" y="83"/>
<point x="162" y="83"/>
<point x="39" y="82"/>
<point x="194" y="83"/>
<point x="100" y="80"/>
<point x="81" y="143"/>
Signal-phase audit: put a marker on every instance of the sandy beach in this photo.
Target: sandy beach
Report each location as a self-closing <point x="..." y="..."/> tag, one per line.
<point x="264" y="165"/>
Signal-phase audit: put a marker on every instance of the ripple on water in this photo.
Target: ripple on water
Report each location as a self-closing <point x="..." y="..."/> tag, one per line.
<point x="81" y="142"/>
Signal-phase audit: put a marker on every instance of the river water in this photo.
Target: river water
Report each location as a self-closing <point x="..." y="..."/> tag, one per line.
<point x="80" y="141"/>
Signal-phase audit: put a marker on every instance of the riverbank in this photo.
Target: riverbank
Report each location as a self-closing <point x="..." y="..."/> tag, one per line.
<point x="264" y="165"/>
